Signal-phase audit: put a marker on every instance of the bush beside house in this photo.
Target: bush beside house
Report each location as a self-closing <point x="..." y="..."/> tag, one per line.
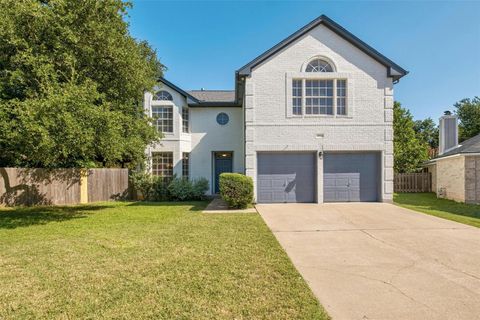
<point x="236" y="189"/>
<point x="151" y="188"/>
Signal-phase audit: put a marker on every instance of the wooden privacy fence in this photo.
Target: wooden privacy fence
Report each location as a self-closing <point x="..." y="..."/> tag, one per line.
<point x="413" y="182"/>
<point x="29" y="186"/>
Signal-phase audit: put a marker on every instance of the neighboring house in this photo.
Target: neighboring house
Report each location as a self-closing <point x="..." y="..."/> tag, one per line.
<point x="310" y="120"/>
<point x="456" y="170"/>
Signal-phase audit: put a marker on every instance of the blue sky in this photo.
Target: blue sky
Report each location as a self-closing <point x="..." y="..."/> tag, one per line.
<point x="203" y="43"/>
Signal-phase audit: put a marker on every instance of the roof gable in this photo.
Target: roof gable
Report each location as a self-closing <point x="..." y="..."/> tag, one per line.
<point x="393" y="69"/>
<point x="177" y="89"/>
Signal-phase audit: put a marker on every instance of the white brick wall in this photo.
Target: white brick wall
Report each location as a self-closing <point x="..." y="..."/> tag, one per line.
<point x="369" y="122"/>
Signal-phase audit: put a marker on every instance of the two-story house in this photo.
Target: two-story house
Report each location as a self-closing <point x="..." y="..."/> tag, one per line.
<point x="310" y="120"/>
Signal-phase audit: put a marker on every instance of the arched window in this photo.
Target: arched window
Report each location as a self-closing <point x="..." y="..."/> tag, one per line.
<point x="319" y="65"/>
<point x="163" y="95"/>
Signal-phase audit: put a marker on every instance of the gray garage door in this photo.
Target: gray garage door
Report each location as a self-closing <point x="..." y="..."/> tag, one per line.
<point x="351" y="177"/>
<point x="286" y="177"/>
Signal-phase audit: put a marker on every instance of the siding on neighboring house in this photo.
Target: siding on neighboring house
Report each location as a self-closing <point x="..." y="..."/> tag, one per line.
<point x="472" y="179"/>
<point x="450" y="173"/>
<point x="432" y="168"/>
<point x="367" y="126"/>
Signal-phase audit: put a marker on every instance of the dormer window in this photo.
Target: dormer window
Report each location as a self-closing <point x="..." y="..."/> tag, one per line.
<point x="319" y="65"/>
<point x="162" y="96"/>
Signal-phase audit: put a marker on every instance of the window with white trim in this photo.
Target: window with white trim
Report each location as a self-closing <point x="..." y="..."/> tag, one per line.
<point x="311" y="97"/>
<point x="297" y="97"/>
<point x="163" y="118"/>
<point x="185" y="119"/>
<point x="162" y="164"/>
<point x="319" y="65"/>
<point x="163" y="96"/>
<point x="185" y="164"/>
<point x="319" y="97"/>
<point x="342" y="97"/>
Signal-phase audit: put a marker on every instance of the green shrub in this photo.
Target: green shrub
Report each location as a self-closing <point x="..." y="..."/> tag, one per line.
<point x="200" y="186"/>
<point x="159" y="190"/>
<point x="182" y="189"/>
<point x="141" y="184"/>
<point x="153" y="188"/>
<point x="236" y="189"/>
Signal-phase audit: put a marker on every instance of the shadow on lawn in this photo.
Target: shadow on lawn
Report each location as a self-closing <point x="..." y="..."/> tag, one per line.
<point x="195" y="205"/>
<point x="429" y="201"/>
<point x="24" y="217"/>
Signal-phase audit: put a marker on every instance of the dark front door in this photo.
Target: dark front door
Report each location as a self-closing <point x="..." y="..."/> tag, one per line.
<point x="223" y="163"/>
<point x="286" y="177"/>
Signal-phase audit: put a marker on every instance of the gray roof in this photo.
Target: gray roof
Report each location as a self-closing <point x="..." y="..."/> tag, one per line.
<point x="393" y="69"/>
<point x="471" y="145"/>
<point x="213" y="95"/>
<point x="174" y="87"/>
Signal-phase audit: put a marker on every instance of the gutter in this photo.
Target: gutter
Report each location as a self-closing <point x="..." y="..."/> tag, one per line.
<point x="432" y="161"/>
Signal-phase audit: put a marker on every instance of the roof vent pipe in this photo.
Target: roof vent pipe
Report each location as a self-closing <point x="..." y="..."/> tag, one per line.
<point x="448" y="131"/>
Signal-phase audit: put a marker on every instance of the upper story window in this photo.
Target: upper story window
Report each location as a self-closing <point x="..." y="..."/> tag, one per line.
<point x="342" y="97"/>
<point x="312" y="97"/>
<point x="315" y="93"/>
<point x="319" y="97"/>
<point x="163" y="118"/>
<point x="185" y="119"/>
<point x="319" y="65"/>
<point x="297" y="86"/>
<point x="222" y="118"/>
<point x="162" y="95"/>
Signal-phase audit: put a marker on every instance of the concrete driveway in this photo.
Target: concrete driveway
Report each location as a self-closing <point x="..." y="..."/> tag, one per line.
<point x="380" y="261"/>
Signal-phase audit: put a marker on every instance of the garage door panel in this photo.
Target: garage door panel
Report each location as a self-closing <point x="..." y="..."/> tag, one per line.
<point x="286" y="177"/>
<point x="351" y="177"/>
<point x="268" y="196"/>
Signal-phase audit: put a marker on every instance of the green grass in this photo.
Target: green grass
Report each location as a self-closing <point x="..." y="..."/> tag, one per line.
<point x="140" y="260"/>
<point x="428" y="203"/>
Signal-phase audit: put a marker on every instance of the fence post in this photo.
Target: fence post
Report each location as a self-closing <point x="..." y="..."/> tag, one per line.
<point x="83" y="186"/>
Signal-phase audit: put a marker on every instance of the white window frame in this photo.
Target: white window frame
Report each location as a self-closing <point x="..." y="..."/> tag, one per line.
<point x="349" y="106"/>
<point x="164" y="105"/>
<point x="187" y="111"/>
<point x="163" y="159"/>
<point x="160" y="91"/>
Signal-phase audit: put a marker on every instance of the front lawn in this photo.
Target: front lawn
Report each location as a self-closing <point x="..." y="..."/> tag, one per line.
<point x="138" y="261"/>
<point x="428" y="203"/>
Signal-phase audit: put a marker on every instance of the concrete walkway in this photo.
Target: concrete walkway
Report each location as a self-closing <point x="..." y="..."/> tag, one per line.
<point x="380" y="261"/>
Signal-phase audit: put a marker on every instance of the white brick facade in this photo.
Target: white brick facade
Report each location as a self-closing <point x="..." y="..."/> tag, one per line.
<point x="367" y="126"/>
<point x="263" y="121"/>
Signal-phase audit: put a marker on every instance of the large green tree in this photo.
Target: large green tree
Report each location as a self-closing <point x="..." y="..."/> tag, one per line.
<point x="71" y="85"/>
<point x="427" y="131"/>
<point x="468" y="111"/>
<point x="409" y="151"/>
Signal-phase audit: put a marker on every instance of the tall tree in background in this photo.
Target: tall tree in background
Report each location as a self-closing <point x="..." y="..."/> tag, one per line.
<point x="409" y="151"/>
<point x="71" y="84"/>
<point x="468" y="111"/>
<point x="427" y="131"/>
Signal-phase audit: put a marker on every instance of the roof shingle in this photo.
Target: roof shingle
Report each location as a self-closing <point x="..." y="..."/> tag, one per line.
<point x="471" y="145"/>
<point x="213" y="95"/>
